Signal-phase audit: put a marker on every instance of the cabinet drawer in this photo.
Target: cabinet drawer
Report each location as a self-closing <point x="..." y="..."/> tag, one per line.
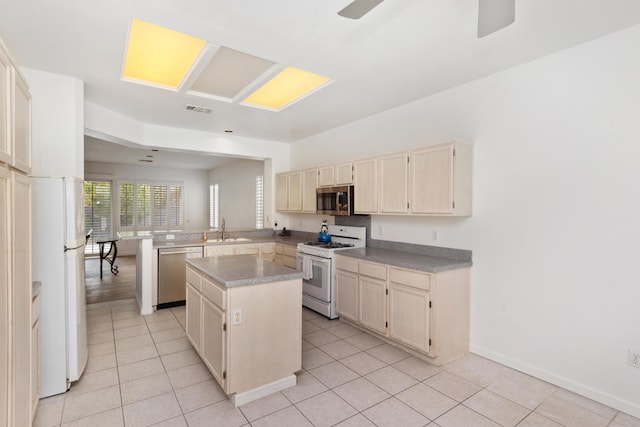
<point x="247" y="250"/>
<point x="279" y="249"/>
<point x="410" y="278"/>
<point x="346" y="263"/>
<point x="266" y="249"/>
<point x="372" y="270"/>
<point x="214" y="293"/>
<point x="290" y="250"/>
<point x="193" y="278"/>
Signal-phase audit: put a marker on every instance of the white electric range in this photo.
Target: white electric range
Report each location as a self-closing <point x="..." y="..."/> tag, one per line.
<point x="317" y="261"/>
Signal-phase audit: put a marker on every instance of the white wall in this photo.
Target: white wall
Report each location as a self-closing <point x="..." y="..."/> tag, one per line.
<point x="196" y="191"/>
<point x="58" y="124"/>
<point x="555" y="229"/>
<point x="237" y="183"/>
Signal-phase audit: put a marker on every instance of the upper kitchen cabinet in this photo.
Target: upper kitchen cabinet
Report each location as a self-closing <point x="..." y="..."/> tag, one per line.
<point x="365" y="186"/>
<point x="282" y="190"/>
<point x="309" y="186"/>
<point x="339" y="174"/>
<point x="440" y="180"/>
<point x="22" y="124"/>
<point x="326" y="176"/>
<point x="6" y="86"/>
<point x="294" y="183"/>
<point x="393" y="172"/>
<point x="344" y="173"/>
<point x="296" y="191"/>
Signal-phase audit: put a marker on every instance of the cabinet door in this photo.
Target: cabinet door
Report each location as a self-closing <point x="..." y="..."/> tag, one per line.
<point x="409" y="316"/>
<point x="282" y="192"/>
<point x="373" y="304"/>
<point x="220" y="250"/>
<point x="309" y="186"/>
<point x="326" y="176"/>
<point x="35" y="367"/>
<point x="22" y="125"/>
<point x="344" y="173"/>
<point x="5" y="294"/>
<point x="393" y="183"/>
<point x="347" y="294"/>
<point x="365" y="183"/>
<point x="247" y="250"/>
<point x="213" y="340"/>
<point x="294" y="182"/>
<point x="432" y="180"/>
<point x="21" y="297"/>
<point x="5" y="115"/>
<point x="194" y="317"/>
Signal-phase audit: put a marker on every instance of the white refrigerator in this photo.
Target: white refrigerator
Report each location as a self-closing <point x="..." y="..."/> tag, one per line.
<point x="58" y="262"/>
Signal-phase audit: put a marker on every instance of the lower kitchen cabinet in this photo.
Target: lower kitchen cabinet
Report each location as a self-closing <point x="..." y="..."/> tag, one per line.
<point x="194" y="315"/>
<point x="285" y="255"/>
<point x="424" y="312"/>
<point x="409" y="316"/>
<point x="347" y="294"/>
<point x="373" y="304"/>
<point x="213" y="340"/>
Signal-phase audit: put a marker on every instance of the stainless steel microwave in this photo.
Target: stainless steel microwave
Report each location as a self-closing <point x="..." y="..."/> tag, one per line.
<point x="335" y="200"/>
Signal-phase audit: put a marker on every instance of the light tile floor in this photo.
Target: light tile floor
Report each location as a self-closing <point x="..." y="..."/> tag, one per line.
<point x="142" y="371"/>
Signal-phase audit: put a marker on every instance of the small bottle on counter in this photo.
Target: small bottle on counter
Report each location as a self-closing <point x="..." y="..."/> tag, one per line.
<point x="204" y="237"/>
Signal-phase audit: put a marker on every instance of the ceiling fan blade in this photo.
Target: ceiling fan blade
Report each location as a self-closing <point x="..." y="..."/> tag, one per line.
<point x="358" y="8"/>
<point x="494" y="15"/>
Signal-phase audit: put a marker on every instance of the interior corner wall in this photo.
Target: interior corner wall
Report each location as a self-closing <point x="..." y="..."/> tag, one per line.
<point x="555" y="228"/>
<point x="57" y="109"/>
<point x="237" y="181"/>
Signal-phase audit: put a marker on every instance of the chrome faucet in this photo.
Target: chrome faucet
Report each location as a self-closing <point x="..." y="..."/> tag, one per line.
<point x="222" y="229"/>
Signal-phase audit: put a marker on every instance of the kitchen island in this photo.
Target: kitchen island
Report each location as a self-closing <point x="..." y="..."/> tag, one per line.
<point x="244" y="318"/>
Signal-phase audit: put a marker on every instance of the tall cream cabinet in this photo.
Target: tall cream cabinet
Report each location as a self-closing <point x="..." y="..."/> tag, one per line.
<point x="365" y="184"/>
<point x="18" y="357"/>
<point x="427" y="313"/>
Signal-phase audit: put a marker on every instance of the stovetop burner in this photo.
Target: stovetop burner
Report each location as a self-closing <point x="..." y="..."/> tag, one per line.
<point x="330" y="245"/>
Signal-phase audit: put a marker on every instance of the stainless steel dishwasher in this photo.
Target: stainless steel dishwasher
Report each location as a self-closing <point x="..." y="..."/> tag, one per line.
<point x="172" y="274"/>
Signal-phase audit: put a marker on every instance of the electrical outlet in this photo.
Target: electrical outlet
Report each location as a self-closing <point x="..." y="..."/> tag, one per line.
<point x="170" y="237"/>
<point x="634" y="359"/>
<point x="434" y="234"/>
<point x="236" y="316"/>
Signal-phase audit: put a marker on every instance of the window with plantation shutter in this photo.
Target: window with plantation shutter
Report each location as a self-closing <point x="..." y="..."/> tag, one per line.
<point x="259" y="201"/>
<point x="143" y="206"/>
<point x="97" y="212"/>
<point x="156" y="206"/>
<point x="214" y="206"/>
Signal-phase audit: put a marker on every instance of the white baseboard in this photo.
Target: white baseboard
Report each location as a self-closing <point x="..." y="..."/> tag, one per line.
<point x="576" y="387"/>
<point x="239" y="399"/>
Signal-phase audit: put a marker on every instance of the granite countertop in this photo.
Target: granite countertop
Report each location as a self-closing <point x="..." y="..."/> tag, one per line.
<point x="161" y="244"/>
<point x="411" y="261"/>
<point x="241" y="270"/>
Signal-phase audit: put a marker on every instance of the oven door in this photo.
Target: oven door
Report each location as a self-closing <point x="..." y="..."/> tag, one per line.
<point x="319" y="285"/>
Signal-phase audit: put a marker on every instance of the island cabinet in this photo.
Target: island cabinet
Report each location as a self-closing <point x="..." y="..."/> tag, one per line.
<point x="423" y="312"/>
<point x="247" y="330"/>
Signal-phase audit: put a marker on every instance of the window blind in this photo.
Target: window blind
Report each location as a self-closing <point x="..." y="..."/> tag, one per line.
<point x="214" y="206"/>
<point x="259" y="201"/>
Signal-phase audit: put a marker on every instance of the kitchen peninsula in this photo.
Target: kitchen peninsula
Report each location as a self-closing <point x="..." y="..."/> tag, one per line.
<point x="244" y="318"/>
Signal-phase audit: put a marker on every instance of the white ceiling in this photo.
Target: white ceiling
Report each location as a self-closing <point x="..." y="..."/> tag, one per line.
<point x="401" y="51"/>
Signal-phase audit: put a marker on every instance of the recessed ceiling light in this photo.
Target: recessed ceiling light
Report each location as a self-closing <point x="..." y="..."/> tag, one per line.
<point x="228" y="131"/>
<point x="288" y="86"/>
<point x="159" y="56"/>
